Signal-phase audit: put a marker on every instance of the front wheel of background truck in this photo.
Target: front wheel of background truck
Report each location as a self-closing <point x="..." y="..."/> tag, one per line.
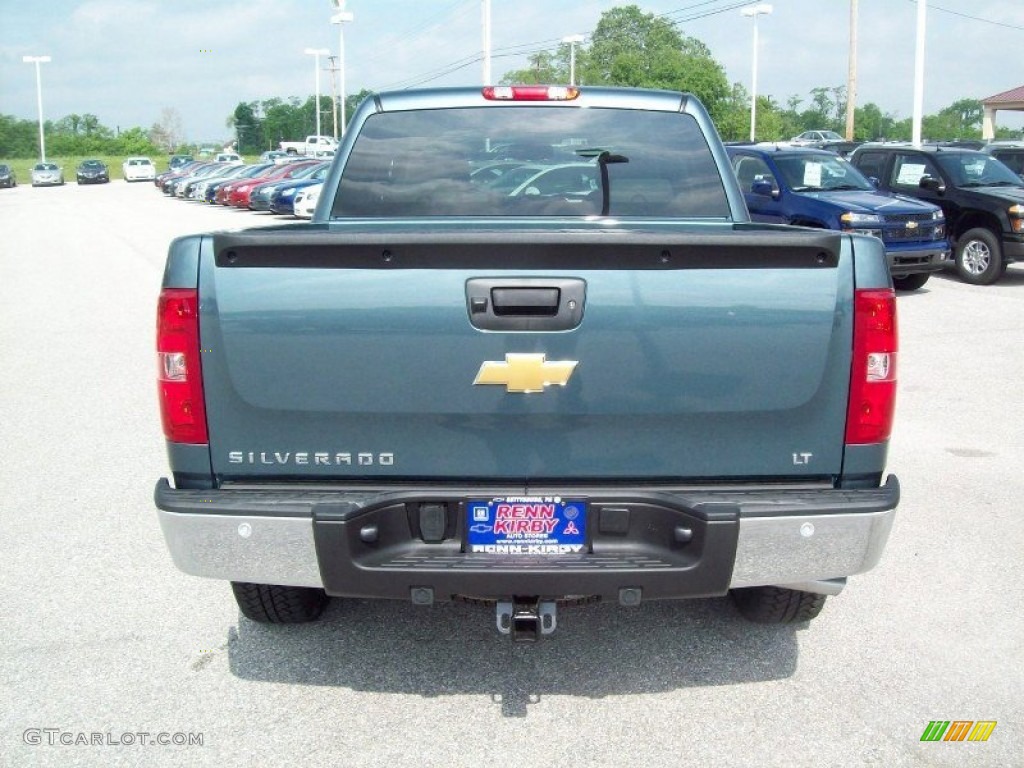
<point x="979" y="259"/>
<point x="777" y="605"/>
<point x="274" y="604"/>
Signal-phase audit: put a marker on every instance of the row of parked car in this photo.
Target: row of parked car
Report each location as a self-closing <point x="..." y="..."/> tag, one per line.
<point x="928" y="204"/>
<point x="89" y="171"/>
<point x="281" y="185"/>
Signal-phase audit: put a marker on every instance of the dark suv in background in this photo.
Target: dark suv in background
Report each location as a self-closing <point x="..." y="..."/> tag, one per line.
<point x="983" y="200"/>
<point x="817" y="188"/>
<point x="1011" y="155"/>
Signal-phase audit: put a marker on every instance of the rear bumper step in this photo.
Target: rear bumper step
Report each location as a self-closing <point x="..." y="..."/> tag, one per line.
<point x="646" y="544"/>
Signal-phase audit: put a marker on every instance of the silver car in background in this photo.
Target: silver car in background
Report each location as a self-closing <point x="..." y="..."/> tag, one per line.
<point x="47" y="175"/>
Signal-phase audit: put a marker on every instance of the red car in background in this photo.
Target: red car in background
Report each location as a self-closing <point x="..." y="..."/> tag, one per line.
<point x="238" y="193"/>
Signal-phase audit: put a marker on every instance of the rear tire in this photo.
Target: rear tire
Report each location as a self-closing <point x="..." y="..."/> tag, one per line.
<point x="777" y="605"/>
<point x="910" y="282"/>
<point x="979" y="258"/>
<point x="274" y="604"/>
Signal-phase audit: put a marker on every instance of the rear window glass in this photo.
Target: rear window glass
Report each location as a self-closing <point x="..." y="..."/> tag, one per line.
<point x="530" y="161"/>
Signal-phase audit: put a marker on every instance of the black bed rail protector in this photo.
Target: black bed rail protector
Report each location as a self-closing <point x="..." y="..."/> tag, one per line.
<point x="737" y="248"/>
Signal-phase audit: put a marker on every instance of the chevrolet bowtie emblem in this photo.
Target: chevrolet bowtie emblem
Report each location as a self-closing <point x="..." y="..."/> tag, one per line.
<point x="527" y="372"/>
<point x="911" y="225"/>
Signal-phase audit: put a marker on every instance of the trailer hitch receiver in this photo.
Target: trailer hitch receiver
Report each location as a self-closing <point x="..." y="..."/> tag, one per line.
<point x="526" y="619"/>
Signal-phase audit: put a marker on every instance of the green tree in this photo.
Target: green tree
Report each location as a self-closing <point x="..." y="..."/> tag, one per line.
<point x="90" y="124"/>
<point x="18" y="138"/>
<point x="308" y="114"/>
<point x="632" y="48"/>
<point x="828" y="104"/>
<point x="284" y="121"/>
<point x="353" y="100"/>
<point x="248" y="127"/>
<point x="770" y="124"/>
<point x="545" y="67"/>
<point x="70" y="124"/>
<point x="960" y="120"/>
<point x="134" y="141"/>
<point x="871" y="123"/>
<point x="733" y="123"/>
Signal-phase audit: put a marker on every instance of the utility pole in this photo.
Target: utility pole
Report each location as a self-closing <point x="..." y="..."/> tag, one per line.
<point x="851" y="80"/>
<point x="334" y="62"/>
<point x="573" y="41"/>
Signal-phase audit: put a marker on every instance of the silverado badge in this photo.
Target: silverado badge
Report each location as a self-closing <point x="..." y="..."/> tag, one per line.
<point x="525" y="372"/>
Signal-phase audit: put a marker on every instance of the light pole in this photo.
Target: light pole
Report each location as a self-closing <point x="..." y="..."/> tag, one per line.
<point x="851" y="78"/>
<point x="317" y="53"/>
<point x="340" y="18"/>
<point x="37" y="60"/>
<point x="755" y="11"/>
<point x="915" y="129"/>
<point x="572" y="40"/>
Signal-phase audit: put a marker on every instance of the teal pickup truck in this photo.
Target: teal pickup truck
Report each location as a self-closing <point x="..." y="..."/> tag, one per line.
<point x="601" y="383"/>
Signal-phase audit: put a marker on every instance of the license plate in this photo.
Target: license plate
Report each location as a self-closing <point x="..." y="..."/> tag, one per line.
<point x="526" y="525"/>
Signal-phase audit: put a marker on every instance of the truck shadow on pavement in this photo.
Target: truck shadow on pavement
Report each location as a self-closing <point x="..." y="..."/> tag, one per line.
<point x="1014" y="276"/>
<point x="455" y="649"/>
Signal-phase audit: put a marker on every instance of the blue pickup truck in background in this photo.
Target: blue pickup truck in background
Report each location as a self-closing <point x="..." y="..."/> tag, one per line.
<point x="817" y="188"/>
<point x="616" y="388"/>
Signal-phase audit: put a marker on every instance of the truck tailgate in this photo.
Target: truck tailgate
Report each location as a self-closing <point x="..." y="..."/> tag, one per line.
<point x="335" y="357"/>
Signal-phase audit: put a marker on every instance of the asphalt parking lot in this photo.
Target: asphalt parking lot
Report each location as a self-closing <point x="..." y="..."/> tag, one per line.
<point x="102" y="635"/>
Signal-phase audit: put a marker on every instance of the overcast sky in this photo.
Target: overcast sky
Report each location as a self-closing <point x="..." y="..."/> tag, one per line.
<point x="126" y="60"/>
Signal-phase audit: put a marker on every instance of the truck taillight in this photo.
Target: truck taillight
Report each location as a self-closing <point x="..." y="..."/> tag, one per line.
<point x="530" y="92"/>
<point x="873" y="373"/>
<point x="179" y="371"/>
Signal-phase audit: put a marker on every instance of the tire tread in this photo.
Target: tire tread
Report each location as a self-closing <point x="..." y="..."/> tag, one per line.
<point x="777" y="605"/>
<point x="275" y="604"/>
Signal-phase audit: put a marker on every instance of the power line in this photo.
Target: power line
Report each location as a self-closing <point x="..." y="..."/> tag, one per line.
<point x="1002" y="24"/>
<point x="520" y="49"/>
<point x="424" y="28"/>
<point x="537" y="46"/>
<point x="715" y="12"/>
<point x="702" y="14"/>
<point x="455" y="67"/>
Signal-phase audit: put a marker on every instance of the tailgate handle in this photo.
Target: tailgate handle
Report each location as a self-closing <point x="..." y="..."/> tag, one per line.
<point x="525" y="301"/>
